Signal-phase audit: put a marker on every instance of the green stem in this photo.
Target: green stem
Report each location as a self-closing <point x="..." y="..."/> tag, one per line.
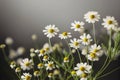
<point x="4" y="54"/>
<point x="109" y="73"/>
<point x="94" y="33"/>
<point x="79" y="55"/>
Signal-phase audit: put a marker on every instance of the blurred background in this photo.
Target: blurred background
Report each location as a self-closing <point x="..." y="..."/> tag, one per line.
<point x="20" y="19"/>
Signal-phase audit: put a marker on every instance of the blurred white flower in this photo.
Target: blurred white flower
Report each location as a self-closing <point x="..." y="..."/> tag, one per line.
<point x="36" y="73"/>
<point x="92" y="57"/>
<point x="34" y="37"/>
<point x="84" y="51"/>
<point x="13" y="64"/>
<point x="65" y="35"/>
<point x="45" y="58"/>
<point x="46" y="47"/>
<point x="40" y="65"/>
<point x="51" y="31"/>
<point x="32" y="50"/>
<point x="84" y="76"/>
<point x="85" y="39"/>
<point x="92" y="16"/>
<point x="2" y="45"/>
<point x="20" y="50"/>
<point x="18" y="69"/>
<point x="9" y="41"/>
<point x="19" y="60"/>
<point x="82" y="68"/>
<point x="37" y="51"/>
<point x="42" y="52"/>
<point x="75" y="43"/>
<point x="32" y="54"/>
<point x="109" y="23"/>
<point x="50" y="75"/>
<point x="12" y="54"/>
<point x="26" y="64"/>
<point x="78" y="26"/>
<point x="66" y="59"/>
<point x="50" y="65"/>
<point x="26" y="76"/>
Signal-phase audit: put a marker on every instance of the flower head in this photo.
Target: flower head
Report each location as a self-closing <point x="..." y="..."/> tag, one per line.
<point x="51" y="31"/>
<point x="65" y="35"/>
<point x="50" y="65"/>
<point x="109" y="23"/>
<point x="85" y="39"/>
<point x="92" y="16"/>
<point x="75" y="43"/>
<point x="45" y="58"/>
<point x="77" y="26"/>
<point x="13" y="64"/>
<point x="40" y="65"/>
<point x="66" y="59"/>
<point x="82" y="68"/>
<point x="50" y="75"/>
<point x="42" y="52"/>
<point x="26" y="64"/>
<point x="26" y="76"/>
<point x="34" y="37"/>
<point x="36" y="73"/>
<point x="9" y="41"/>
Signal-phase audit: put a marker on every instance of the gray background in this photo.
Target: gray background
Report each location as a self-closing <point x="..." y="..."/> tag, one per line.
<point x="21" y="18"/>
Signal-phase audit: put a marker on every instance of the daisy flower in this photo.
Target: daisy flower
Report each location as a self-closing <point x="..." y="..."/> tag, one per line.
<point x="73" y="73"/>
<point x="50" y="65"/>
<point x="66" y="59"/>
<point x="75" y="43"/>
<point x="84" y="51"/>
<point x="13" y="64"/>
<point x="36" y="73"/>
<point x="40" y="65"/>
<point x="96" y="49"/>
<point x="51" y="31"/>
<point x="26" y="76"/>
<point x="92" y="57"/>
<point x="42" y="52"/>
<point x="50" y="75"/>
<point x="84" y="76"/>
<point x="65" y="35"/>
<point x="85" y="39"/>
<point x="18" y="69"/>
<point x="26" y="64"/>
<point x="77" y="26"/>
<point x="109" y="23"/>
<point x="92" y="16"/>
<point x="82" y="68"/>
<point x="45" y="58"/>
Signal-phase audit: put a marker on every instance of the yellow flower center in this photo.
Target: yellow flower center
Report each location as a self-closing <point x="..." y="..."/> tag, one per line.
<point x="27" y="77"/>
<point x="95" y="50"/>
<point x="73" y="72"/>
<point x="50" y="74"/>
<point x="47" y="49"/>
<point x="64" y="33"/>
<point x="27" y="64"/>
<point x="13" y="63"/>
<point x="40" y="65"/>
<point x="50" y="65"/>
<point x="76" y="43"/>
<point x="82" y="68"/>
<point x="77" y="26"/>
<point x="92" y="16"/>
<point x="110" y="22"/>
<point x="85" y="40"/>
<point x="93" y="55"/>
<point x="42" y="51"/>
<point x="45" y="57"/>
<point x="51" y="31"/>
<point x="36" y="72"/>
<point x="66" y="59"/>
<point x="84" y="75"/>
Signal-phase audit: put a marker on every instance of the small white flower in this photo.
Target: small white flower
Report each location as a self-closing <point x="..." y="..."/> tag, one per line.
<point x="20" y="50"/>
<point x="73" y="73"/>
<point x="82" y="68"/>
<point x="2" y="45"/>
<point x="12" y="54"/>
<point x="85" y="39"/>
<point x="50" y="65"/>
<point x="50" y="75"/>
<point x="18" y="69"/>
<point x="92" y="57"/>
<point x="32" y="54"/>
<point x="96" y="49"/>
<point x="78" y="26"/>
<point x="37" y="51"/>
<point x="45" y="58"/>
<point x="66" y="59"/>
<point x="42" y="52"/>
<point x="36" y="73"/>
<point x="75" y="43"/>
<point x="26" y="76"/>
<point x="26" y="64"/>
<point x="92" y="16"/>
<point x="40" y="65"/>
<point x="9" y="41"/>
<point x="32" y="50"/>
<point x="65" y="35"/>
<point x="46" y="47"/>
<point x="84" y="51"/>
<point x="34" y="37"/>
<point x="109" y="23"/>
<point x="84" y="76"/>
<point x="13" y="64"/>
<point x="51" y="31"/>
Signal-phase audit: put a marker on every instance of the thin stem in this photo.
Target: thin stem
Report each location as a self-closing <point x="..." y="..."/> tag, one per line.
<point x="4" y="54"/>
<point x="109" y="72"/>
<point x="79" y="55"/>
<point x="94" y="33"/>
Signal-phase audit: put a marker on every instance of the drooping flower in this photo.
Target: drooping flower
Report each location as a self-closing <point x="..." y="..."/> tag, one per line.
<point x="36" y="73"/>
<point x="75" y="43"/>
<point x="18" y="69"/>
<point x="50" y="65"/>
<point x="92" y="16"/>
<point x="84" y="76"/>
<point x="50" y="75"/>
<point x="65" y="35"/>
<point x="109" y="23"/>
<point x="78" y="26"/>
<point x="26" y="76"/>
<point x="85" y="39"/>
<point x="82" y="68"/>
<point x="13" y="64"/>
<point x="26" y="64"/>
<point x="51" y="31"/>
<point x="66" y="59"/>
<point x="40" y="65"/>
